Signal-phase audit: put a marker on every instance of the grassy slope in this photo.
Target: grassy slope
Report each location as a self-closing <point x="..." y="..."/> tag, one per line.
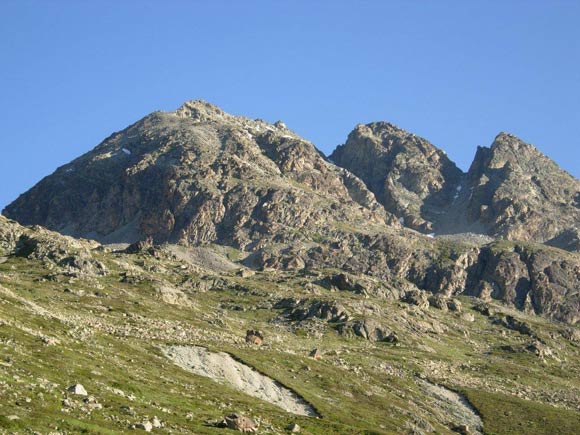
<point x="109" y="333"/>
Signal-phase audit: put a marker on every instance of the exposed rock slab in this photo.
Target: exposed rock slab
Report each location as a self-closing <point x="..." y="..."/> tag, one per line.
<point x="222" y="368"/>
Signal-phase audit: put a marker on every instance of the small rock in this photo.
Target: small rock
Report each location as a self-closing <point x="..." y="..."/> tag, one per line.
<point x="12" y="417"/>
<point x="294" y="428"/>
<point x="438" y="301"/>
<point x="418" y="298"/>
<point x="454" y="305"/>
<point x="77" y="389"/>
<point x="49" y="341"/>
<point x="146" y="426"/>
<point x="246" y="273"/>
<point x="462" y="429"/>
<point x="315" y="353"/>
<point x="254" y="336"/>
<point x="240" y="423"/>
<point x="156" y="422"/>
<point x="468" y="317"/>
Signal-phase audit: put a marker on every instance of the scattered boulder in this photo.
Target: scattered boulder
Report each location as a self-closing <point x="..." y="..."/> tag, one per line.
<point x="454" y="305"/>
<point x="145" y="246"/>
<point x="514" y="324"/>
<point x="418" y="298"/>
<point x="462" y="429"/>
<point x="539" y="349"/>
<point x="571" y="334"/>
<point x="301" y="310"/>
<point x="484" y="308"/>
<point x="369" y="330"/>
<point x="77" y="389"/>
<point x="246" y="273"/>
<point x="438" y="301"/>
<point x="254" y="336"/>
<point x="315" y="353"/>
<point x="294" y="428"/>
<point x="468" y="317"/>
<point x="147" y="426"/>
<point x="342" y="282"/>
<point x="240" y="423"/>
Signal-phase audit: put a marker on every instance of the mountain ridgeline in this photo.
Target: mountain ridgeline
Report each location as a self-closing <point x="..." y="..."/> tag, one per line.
<point x="387" y="205"/>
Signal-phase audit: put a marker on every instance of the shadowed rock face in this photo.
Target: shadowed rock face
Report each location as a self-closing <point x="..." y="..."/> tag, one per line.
<point x="511" y="190"/>
<point x="413" y="179"/>
<point x="199" y="175"/>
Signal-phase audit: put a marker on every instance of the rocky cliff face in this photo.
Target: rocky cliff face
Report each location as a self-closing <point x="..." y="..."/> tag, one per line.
<point x="413" y="179"/>
<point x="199" y="175"/>
<point x="511" y="191"/>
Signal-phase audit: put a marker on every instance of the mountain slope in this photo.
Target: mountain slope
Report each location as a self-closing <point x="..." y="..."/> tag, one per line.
<point x="74" y="312"/>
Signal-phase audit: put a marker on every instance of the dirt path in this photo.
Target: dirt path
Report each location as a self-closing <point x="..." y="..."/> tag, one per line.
<point x="222" y="368"/>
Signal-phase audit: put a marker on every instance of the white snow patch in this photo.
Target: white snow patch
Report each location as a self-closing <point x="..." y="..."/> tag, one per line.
<point x="402" y="220"/>
<point x="69" y="170"/>
<point x="459" y="188"/>
<point x="432" y="235"/>
<point x="126" y="151"/>
<point x="287" y="136"/>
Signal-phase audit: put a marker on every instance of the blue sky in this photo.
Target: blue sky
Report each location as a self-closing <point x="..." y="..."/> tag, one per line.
<point x="456" y="72"/>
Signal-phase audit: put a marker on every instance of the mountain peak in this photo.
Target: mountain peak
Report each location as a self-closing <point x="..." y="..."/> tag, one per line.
<point x="408" y="175"/>
<point x="200" y="110"/>
<point x="199" y="175"/>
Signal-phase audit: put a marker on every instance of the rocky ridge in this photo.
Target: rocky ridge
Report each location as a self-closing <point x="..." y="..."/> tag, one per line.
<point x="512" y="191"/>
<point x="197" y="176"/>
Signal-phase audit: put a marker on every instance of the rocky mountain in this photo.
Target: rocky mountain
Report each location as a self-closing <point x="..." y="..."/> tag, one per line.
<point x="511" y="191"/>
<point x="413" y="179"/>
<point x="208" y="272"/>
<point x="517" y="193"/>
<point x="199" y="175"/>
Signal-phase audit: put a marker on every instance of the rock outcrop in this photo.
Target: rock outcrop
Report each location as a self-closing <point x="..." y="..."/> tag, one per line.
<point x="517" y="193"/>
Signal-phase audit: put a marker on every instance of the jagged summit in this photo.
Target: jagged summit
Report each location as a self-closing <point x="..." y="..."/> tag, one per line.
<point x="204" y="112"/>
<point x="512" y="190"/>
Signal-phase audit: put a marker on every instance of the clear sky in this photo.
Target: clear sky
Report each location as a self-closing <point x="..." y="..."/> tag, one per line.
<point x="455" y="72"/>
